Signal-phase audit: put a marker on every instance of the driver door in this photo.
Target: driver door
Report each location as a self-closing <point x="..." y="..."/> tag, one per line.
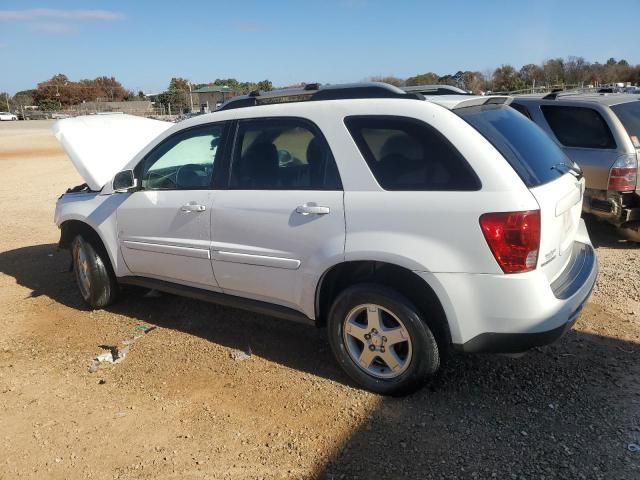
<point x="164" y="229"/>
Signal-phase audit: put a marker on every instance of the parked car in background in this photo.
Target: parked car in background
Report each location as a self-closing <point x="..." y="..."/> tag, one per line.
<point x="33" y="115"/>
<point x="7" y="116"/>
<point x="405" y="227"/>
<point x="601" y="133"/>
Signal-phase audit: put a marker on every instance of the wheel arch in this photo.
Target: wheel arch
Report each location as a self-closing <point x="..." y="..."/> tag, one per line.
<point x="342" y="275"/>
<point x="70" y="228"/>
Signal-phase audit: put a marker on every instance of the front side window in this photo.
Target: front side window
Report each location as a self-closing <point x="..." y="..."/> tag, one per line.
<point x="578" y="127"/>
<point x="282" y="154"/>
<point x="406" y="154"/>
<point x="183" y="162"/>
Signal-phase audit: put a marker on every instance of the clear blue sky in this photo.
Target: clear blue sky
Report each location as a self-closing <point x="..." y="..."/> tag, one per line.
<point x="144" y="43"/>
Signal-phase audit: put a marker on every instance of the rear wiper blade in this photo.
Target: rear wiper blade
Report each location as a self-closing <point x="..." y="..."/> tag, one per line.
<point x="574" y="169"/>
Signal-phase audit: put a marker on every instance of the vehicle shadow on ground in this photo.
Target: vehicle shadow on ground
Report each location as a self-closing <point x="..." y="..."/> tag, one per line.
<point x="46" y="271"/>
<point x="568" y="410"/>
<point x="603" y="234"/>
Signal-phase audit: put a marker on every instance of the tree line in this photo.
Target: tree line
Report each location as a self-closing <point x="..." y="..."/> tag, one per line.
<point x="177" y="95"/>
<point x="552" y="73"/>
<point x="59" y="92"/>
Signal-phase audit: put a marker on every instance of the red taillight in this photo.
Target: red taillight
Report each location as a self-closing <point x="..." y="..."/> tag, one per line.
<point x="514" y="239"/>
<point x="623" y="174"/>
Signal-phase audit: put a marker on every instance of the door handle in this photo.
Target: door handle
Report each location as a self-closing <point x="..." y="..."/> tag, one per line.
<point x="192" y="207"/>
<point x="312" y="209"/>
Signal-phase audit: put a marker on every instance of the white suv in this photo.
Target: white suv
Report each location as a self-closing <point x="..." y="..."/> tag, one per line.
<point x="404" y="226"/>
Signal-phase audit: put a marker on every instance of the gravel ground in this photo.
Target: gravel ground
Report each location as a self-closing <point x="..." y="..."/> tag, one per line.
<point x="179" y="406"/>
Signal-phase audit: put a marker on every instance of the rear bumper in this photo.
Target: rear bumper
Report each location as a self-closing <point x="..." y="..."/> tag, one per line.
<point x="615" y="207"/>
<point x="514" y="313"/>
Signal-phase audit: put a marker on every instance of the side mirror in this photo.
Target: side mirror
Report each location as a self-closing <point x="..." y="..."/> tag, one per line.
<point x="124" y="181"/>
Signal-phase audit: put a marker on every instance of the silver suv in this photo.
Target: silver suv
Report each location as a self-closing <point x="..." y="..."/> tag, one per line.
<point x="601" y="134"/>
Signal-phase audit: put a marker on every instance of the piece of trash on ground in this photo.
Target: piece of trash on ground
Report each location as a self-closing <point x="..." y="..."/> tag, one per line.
<point x="114" y="354"/>
<point x="145" y="328"/>
<point x="633" y="447"/>
<point x="239" y="355"/>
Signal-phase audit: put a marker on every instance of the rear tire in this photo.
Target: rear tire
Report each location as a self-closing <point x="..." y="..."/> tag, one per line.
<point x="380" y="340"/>
<point x="94" y="276"/>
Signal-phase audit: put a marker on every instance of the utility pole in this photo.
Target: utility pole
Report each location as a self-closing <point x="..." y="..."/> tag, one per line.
<point x="6" y="97"/>
<point x="190" y="96"/>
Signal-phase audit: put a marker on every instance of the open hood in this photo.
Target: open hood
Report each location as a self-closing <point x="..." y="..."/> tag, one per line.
<point x="101" y="145"/>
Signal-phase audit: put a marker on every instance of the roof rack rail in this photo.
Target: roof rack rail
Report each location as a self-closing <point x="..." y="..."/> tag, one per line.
<point x="315" y="92"/>
<point x="559" y="92"/>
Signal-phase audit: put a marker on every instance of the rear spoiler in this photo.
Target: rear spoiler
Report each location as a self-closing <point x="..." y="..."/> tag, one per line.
<point x="453" y="102"/>
<point x="491" y="100"/>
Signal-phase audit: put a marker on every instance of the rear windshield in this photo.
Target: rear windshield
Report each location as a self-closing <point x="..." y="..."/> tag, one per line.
<point x="526" y="147"/>
<point x="629" y="115"/>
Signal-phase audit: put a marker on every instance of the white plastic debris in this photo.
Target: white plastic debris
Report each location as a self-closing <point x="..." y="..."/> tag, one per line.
<point x="114" y="354"/>
<point x="239" y="355"/>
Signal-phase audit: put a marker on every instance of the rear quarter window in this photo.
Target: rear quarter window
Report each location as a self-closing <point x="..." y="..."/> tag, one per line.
<point x="528" y="149"/>
<point x="407" y="154"/>
<point x="629" y="115"/>
<point x="522" y="109"/>
<point x="581" y="127"/>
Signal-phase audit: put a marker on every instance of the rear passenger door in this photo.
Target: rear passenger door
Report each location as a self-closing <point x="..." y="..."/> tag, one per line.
<point x="281" y="216"/>
<point x="586" y="138"/>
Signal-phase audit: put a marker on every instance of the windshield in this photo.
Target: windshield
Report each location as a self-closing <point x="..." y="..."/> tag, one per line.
<point x="527" y="148"/>
<point x="629" y="115"/>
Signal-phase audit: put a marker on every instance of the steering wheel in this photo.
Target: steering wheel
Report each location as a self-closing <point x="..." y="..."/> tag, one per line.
<point x="192" y="175"/>
<point x="158" y="180"/>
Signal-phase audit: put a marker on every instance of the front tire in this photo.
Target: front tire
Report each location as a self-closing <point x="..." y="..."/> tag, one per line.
<point x="95" y="279"/>
<point x="381" y="341"/>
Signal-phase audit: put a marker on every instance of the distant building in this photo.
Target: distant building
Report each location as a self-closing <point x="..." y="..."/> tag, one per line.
<point x="206" y="99"/>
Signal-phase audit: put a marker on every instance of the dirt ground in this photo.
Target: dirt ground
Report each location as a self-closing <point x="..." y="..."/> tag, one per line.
<point x="179" y="406"/>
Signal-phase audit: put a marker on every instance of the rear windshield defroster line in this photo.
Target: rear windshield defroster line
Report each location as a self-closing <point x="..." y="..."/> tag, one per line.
<point x="527" y="148"/>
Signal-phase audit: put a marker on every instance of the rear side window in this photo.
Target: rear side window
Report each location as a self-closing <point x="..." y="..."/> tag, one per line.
<point x="629" y="115"/>
<point x="527" y="148"/>
<point x="282" y="154"/>
<point x="406" y="154"/>
<point x="578" y="127"/>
